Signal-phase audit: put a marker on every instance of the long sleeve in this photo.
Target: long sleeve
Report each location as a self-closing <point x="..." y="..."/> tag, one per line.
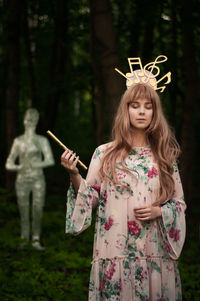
<point x="79" y="207"/>
<point x="172" y="224"/>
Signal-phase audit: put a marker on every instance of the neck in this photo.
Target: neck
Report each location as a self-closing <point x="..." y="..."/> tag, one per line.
<point x="29" y="132"/>
<point x="139" y="139"/>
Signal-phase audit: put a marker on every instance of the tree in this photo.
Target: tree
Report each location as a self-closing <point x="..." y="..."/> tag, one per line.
<point x="13" y="88"/>
<point x="58" y="61"/>
<point x="191" y="98"/>
<point x="110" y="84"/>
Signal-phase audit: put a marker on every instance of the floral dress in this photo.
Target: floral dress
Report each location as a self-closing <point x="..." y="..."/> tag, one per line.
<point x="132" y="260"/>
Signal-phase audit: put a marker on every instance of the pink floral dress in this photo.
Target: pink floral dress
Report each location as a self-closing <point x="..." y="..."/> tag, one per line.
<point x="132" y="260"/>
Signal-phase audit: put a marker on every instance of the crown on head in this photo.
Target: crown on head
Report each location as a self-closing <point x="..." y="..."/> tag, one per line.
<point x="146" y="74"/>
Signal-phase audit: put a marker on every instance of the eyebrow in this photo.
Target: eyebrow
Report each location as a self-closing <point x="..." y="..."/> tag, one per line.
<point x="146" y="102"/>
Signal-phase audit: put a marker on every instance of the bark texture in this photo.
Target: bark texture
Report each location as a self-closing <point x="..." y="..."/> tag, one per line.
<point x="105" y="51"/>
<point x="191" y="98"/>
<point x="13" y="84"/>
<point x="58" y="61"/>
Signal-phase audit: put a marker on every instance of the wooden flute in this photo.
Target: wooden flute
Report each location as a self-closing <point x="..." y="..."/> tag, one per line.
<point x="64" y="147"/>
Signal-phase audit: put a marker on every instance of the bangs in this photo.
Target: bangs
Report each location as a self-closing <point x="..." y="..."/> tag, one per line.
<point x="140" y="91"/>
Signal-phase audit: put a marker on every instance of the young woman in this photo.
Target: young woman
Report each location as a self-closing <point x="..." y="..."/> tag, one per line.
<point x="134" y="183"/>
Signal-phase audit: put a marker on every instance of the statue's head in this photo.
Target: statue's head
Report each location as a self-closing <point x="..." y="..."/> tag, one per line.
<point x="31" y="118"/>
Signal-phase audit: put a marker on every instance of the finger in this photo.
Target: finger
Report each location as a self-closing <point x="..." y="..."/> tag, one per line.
<point x="73" y="156"/>
<point x="143" y="210"/>
<point x="75" y="162"/>
<point x="68" y="156"/>
<point x="65" y="160"/>
<point x="140" y="208"/>
<point x="144" y="218"/>
<point x="64" y="154"/>
<point x="143" y="214"/>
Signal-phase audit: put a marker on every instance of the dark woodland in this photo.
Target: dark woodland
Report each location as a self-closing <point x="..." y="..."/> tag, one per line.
<point x="59" y="56"/>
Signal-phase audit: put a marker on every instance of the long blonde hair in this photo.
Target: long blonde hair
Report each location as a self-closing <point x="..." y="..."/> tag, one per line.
<point x="160" y="137"/>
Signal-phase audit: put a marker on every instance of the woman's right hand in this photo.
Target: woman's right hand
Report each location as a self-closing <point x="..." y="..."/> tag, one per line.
<point x="69" y="161"/>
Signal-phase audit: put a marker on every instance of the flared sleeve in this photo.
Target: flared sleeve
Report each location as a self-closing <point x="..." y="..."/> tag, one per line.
<point x="172" y="223"/>
<point x="79" y="207"/>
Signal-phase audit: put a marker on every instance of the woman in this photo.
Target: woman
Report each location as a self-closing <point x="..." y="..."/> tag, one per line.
<point x="134" y="183"/>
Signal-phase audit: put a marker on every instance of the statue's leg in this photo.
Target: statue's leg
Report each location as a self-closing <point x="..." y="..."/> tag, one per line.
<point x="23" y="193"/>
<point x="37" y="210"/>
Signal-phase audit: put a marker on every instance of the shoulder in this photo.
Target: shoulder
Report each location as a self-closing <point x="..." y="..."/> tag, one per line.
<point x="101" y="149"/>
<point x="19" y="139"/>
<point x="175" y="167"/>
<point x="42" y="139"/>
<point x="104" y="147"/>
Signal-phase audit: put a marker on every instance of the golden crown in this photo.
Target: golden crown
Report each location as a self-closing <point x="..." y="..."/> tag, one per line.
<point x="145" y="74"/>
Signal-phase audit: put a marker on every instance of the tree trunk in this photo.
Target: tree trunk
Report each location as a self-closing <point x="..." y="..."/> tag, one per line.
<point x="174" y="88"/>
<point x="105" y="44"/>
<point x="3" y="90"/>
<point x="187" y="135"/>
<point x="97" y="94"/>
<point x="13" y="90"/>
<point x="57" y="68"/>
<point x="31" y="74"/>
<point x="135" y="31"/>
<point x="151" y="16"/>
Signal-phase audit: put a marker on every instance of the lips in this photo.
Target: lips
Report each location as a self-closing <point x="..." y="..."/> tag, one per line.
<point x="141" y="119"/>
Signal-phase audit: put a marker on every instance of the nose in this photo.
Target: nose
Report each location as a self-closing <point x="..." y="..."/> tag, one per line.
<point x="142" y="110"/>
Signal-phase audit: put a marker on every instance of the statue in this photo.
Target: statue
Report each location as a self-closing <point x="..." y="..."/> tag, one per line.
<point x="32" y="153"/>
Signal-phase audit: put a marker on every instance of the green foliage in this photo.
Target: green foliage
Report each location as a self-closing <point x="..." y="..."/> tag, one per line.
<point x="59" y="273"/>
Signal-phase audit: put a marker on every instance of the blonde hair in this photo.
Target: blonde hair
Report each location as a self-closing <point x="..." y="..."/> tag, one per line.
<point x="160" y="137"/>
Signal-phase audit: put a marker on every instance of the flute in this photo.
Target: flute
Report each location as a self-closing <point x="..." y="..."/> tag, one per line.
<point x="64" y="146"/>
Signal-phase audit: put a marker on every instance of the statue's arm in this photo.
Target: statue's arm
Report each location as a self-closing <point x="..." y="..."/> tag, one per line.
<point x="14" y="153"/>
<point x="47" y="154"/>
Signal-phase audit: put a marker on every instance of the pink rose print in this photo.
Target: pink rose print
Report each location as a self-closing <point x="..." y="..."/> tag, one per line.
<point x="104" y="197"/>
<point x="120" y="285"/>
<point x="171" y="232"/>
<point x="97" y="188"/>
<point x="109" y="223"/>
<point x="121" y="175"/>
<point x="134" y="228"/>
<point x="152" y="173"/>
<point x="143" y="275"/>
<point x="102" y="286"/>
<point x="178" y="207"/>
<point x="145" y="152"/>
<point x="110" y="272"/>
<point x="167" y="247"/>
<point x="175" y="234"/>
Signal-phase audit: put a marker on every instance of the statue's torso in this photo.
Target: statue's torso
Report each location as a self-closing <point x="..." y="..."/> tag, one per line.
<point x="29" y="152"/>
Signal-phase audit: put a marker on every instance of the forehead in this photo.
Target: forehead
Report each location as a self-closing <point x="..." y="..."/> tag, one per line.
<point x="30" y="116"/>
<point x="141" y="100"/>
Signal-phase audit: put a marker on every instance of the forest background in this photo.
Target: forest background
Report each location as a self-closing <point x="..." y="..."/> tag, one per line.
<point x="59" y="56"/>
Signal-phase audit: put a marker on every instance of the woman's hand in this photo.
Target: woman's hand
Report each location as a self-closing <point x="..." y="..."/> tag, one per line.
<point x="69" y="161"/>
<point x="147" y="213"/>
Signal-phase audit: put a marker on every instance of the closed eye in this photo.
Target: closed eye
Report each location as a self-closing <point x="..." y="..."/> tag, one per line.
<point x="148" y="106"/>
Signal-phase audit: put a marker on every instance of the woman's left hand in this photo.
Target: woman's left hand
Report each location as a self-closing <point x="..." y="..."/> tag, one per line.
<point x="147" y="213"/>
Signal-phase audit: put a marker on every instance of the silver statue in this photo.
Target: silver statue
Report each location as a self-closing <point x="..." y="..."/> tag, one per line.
<point x="33" y="153"/>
